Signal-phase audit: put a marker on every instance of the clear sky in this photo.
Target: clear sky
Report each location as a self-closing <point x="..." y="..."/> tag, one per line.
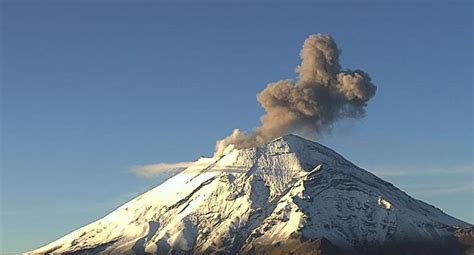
<point x="90" y="89"/>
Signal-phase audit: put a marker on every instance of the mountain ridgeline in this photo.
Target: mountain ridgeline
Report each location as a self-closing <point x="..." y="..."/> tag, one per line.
<point x="290" y="196"/>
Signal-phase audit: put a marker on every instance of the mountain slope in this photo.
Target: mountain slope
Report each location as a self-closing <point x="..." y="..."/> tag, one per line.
<point x="291" y="195"/>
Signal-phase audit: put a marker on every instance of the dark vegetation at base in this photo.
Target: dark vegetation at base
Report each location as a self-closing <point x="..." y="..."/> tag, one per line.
<point x="317" y="247"/>
<point x="322" y="246"/>
<point x="464" y="245"/>
<point x="325" y="247"/>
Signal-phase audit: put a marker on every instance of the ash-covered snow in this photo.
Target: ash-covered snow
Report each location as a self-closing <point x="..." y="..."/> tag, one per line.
<point x="288" y="189"/>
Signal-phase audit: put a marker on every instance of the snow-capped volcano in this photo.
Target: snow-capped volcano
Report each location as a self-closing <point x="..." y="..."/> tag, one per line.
<point x="288" y="196"/>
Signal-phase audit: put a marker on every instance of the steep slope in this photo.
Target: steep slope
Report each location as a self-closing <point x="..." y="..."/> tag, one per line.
<point x="291" y="195"/>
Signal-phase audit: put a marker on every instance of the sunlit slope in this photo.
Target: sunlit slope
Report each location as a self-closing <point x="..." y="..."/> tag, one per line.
<point x="288" y="195"/>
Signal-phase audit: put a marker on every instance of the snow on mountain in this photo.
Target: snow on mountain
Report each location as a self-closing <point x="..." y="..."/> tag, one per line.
<point x="290" y="195"/>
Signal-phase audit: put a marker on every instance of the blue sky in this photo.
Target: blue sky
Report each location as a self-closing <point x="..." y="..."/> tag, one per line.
<point x="90" y="89"/>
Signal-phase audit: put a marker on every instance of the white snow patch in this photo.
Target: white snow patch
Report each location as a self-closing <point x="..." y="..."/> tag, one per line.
<point x="384" y="202"/>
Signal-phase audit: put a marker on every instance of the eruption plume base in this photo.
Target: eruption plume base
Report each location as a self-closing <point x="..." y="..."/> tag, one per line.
<point x="323" y="94"/>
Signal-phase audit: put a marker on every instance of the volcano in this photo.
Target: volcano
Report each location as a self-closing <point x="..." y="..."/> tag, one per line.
<point x="289" y="196"/>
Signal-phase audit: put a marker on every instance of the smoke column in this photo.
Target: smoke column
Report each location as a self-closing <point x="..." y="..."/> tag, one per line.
<point x="323" y="94"/>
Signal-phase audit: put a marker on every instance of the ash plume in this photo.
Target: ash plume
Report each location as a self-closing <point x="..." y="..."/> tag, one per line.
<point x="323" y="94"/>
